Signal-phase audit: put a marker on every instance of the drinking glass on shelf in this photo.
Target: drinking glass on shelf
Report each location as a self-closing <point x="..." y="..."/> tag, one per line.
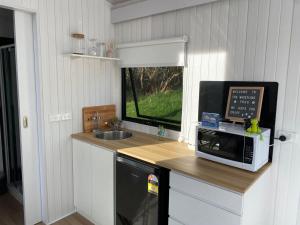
<point x="101" y="49"/>
<point x="93" y="48"/>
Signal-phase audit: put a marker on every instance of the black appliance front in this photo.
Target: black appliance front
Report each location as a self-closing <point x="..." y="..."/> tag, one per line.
<point x="136" y="204"/>
<point x="225" y="145"/>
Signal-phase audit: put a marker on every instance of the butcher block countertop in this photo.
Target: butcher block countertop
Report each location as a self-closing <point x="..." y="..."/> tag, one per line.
<point x="177" y="157"/>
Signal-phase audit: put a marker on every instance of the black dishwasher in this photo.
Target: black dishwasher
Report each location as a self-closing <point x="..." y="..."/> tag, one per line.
<point x="142" y="192"/>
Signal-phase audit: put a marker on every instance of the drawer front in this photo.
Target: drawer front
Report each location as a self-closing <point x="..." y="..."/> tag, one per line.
<point x="173" y="222"/>
<point x="227" y="200"/>
<point x="192" y="211"/>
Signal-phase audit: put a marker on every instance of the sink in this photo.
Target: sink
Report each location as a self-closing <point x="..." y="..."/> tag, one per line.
<point x="113" y="135"/>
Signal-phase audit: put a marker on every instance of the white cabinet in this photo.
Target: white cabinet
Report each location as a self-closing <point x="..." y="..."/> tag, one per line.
<point x="190" y="211"/>
<point x="82" y="155"/>
<point x="94" y="182"/>
<point x="194" y="202"/>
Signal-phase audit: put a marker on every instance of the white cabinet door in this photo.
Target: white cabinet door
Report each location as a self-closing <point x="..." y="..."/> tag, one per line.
<point x="192" y="211"/>
<point x="82" y="154"/>
<point x="94" y="183"/>
<point x="216" y="196"/>
<point x="102" y="186"/>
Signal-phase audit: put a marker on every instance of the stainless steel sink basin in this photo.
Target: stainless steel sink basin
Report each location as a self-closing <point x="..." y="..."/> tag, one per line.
<point x="113" y="135"/>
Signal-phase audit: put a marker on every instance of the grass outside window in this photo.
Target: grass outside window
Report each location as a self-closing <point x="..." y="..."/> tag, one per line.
<point x="153" y="95"/>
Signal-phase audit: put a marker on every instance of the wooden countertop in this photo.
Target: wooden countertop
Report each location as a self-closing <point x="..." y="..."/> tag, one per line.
<point x="177" y="157"/>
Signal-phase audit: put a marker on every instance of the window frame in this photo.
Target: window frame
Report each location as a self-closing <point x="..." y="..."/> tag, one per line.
<point x="150" y="121"/>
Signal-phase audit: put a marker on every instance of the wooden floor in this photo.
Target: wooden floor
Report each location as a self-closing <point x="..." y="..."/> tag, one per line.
<point x="11" y="213"/>
<point x="74" y="219"/>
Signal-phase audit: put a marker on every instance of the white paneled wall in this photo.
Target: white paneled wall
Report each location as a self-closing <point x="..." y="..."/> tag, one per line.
<point x="67" y="85"/>
<point x="255" y="40"/>
<point x="298" y="221"/>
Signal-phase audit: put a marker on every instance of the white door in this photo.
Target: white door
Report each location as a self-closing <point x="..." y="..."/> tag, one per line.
<point x="28" y="114"/>
<point x="82" y="155"/>
<point x="103" y="210"/>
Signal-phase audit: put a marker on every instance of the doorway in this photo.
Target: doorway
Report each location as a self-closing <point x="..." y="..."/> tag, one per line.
<point x="11" y="189"/>
<point x="11" y="185"/>
<point x="20" y="190"/>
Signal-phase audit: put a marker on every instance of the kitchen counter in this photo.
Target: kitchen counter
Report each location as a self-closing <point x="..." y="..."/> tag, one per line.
<point x="177" y="157"/>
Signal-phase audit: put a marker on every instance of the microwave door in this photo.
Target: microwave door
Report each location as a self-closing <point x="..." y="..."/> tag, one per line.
<point x="221" y="145"/>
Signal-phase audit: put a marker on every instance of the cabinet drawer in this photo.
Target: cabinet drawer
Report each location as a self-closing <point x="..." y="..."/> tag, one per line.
<point x="227" y="200"/>
<point x="173" y="222"/>
<point x="192" y="211"/>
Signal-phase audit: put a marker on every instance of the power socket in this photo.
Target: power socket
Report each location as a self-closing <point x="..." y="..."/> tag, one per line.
<point x="55" y="118"/>
<point x="291" y="136"/>
<point x="66" y="116"/>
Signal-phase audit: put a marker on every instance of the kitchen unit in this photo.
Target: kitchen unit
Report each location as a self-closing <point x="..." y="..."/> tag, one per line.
<point x="94" y="182"/>
<point x="201" y="192"/>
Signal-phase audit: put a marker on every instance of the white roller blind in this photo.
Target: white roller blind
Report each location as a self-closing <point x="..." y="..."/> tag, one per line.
<point x="156" y="53"/>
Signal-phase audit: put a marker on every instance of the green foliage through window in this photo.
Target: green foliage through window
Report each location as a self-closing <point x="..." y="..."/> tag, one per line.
<point x="153" y="95"/>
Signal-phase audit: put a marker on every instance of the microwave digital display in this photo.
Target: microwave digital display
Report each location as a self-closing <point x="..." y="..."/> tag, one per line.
<point x="225" y="145"/>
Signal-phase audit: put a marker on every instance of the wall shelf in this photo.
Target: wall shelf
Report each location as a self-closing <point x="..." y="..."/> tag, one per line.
<point x="91" y="57"/>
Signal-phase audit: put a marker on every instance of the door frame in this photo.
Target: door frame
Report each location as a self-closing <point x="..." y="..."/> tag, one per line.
<point x="28" y="115"/>
<point x="39" y="112"/>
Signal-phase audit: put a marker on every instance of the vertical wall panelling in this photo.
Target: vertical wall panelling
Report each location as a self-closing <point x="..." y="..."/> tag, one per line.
<point x="297" y="124"/>
<point x="191" y="59"/>
<point x="70" y="84"/>
<point x="252" y="26"/>
<point x="272" y="41"/>
<point x="54" y="109"/>
<point x="261" y="40"/>
<point x="240" y="46"/>
<point x="242" y="40"/>
<point x="298" y="220"/>
<point x="232" y="38"/>
<point x="67" y="85"/>
<point x="292" y="111"/>
<point x="284" y="154"/>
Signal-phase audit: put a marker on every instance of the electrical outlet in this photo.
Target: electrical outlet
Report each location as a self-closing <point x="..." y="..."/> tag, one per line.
<point x="55" y="118"/>
<point x="66" y="116"/>
<point x="291" y="136"/>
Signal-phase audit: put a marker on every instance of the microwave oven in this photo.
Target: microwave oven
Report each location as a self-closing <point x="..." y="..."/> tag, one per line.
<point x="230" y="144"/>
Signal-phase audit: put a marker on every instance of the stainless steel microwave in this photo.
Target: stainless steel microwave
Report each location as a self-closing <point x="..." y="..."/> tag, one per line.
<point x="230" y="144"/>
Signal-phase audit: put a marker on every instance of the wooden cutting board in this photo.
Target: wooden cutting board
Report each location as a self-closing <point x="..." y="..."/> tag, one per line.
<point x="105" y="112"/>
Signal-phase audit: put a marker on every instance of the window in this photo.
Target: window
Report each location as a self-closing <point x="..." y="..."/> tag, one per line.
<point x="153" y="96"/>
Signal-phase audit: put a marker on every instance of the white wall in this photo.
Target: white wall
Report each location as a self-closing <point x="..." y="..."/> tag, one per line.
<point x="298" y="221"/>
<point x="67" y="85"/>
<point x="255" y="40"/>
